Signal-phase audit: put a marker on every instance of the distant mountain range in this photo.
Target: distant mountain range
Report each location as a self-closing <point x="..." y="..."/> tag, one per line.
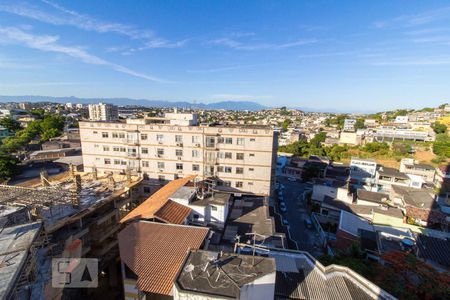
<point x="229" y="105"/>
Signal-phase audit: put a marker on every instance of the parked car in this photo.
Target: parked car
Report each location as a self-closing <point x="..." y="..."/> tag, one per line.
<point x="308" y="223"/>
<point x="292" y="179"/>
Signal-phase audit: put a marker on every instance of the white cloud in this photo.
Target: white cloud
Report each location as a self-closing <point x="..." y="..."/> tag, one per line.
<point x="423" y="61"/>
<point x="62" y="16"/>
<point x="238" y="45"/>
<point x="417" y="19"/>
<point x="47" y="43"/>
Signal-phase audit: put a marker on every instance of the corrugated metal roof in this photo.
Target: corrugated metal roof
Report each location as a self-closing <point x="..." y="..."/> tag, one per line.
<point x="150" y="206"/>
<point x="156" y="251"/>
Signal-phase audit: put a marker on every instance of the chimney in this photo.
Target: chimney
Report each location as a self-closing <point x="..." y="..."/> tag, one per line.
<point x="44" y="178"/>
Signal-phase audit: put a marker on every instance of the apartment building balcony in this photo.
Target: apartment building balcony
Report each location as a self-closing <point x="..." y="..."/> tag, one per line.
<point x="133" y="142"/>
<point x="133" y="155"/>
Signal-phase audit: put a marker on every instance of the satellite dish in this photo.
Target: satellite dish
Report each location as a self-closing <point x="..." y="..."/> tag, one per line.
<point x="189" y="268"/>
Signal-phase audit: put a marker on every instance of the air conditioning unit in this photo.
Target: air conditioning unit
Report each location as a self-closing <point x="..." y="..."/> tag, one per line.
<point x="197" y="145"/>
<point x="159" y="155"/>
<point x="161" y="170"/>
<point x="179" y="144"/>
<point x="179" y="157"/>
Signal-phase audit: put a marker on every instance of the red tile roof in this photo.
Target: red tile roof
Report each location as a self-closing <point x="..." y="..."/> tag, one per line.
<point x="155" y="252"/>
<point x="149" y="207"/>
<point x="172" y="212"/>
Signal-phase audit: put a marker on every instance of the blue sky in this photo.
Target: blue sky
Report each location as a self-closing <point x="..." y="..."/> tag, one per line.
<point x="353" y="55"/>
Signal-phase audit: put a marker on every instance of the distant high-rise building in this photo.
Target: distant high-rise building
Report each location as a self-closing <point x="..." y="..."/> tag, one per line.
<point x="103" y="112"/>
<point x="349" y="125"/>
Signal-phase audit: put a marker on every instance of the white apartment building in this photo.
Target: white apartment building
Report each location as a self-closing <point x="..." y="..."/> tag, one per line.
<point x="363" y="170"/>
<point x="235" y="158"/>
<point x="349" y="125"/>
<point x="103" y="112"/>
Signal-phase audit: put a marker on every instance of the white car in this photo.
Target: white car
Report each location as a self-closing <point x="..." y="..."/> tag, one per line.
<point x="292" y="179"/>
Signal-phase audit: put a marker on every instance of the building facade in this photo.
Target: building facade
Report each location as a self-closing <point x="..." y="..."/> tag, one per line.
<point x="240" y="159"/>
<point x="103" y="112"/>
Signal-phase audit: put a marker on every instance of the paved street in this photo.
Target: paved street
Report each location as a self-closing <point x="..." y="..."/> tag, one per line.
<point x="306" y="238"/>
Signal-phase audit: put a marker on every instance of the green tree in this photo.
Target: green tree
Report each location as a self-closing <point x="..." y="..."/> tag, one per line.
<point x="375" y="147"/>
<point x="8" y="167"/>
<point x="10" y="124"/>
<point x="441" y="147"/>
<point x="439" y="128"/>
<point x="285" y="124"/>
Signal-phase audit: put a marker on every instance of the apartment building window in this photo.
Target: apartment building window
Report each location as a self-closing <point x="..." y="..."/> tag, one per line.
<point x="179" y="166"/>
<point x="219" y="169"/>
<point x="116" y="149"/>
<point x="178" y="138"/>
<point x="195" y="153"/>
<point x="239" y="170"/>
<point x="220" y="140"/>
<point x="251" y="169"/>
<point x="115" y="135"/>
<point x="252" y="140"/>
<point x="105" y="148"/>
<point x="252" y="154"/>
<point x="179" y="152"/>
<point x="123" y="162"/>
<point x="105" y="135"/>
<point x="228" y="155"/>
<point x="224" y="183"/>
<point x="96" y="146"/>
<point x="117" y="161"/>
<point x="160" y="165"/>
<point x="210" y="142"/>
<point x="160" y="138"/>
<point x="239" y="184"/>
<point x="144" y="150"/>
<point x="228" y="140"/>
<point x="227" y="169"/>
<point x="161" y="177"/>
<point x="195" y="139"/>
<point x="145" y="164"/>
<point x="122" y="135"/>
<point x="213" y="208"/>
<point x="250" y="183"/>
<point x="160" y="151"/>
<point x="195" y="168"/>
<point x="123" y="149"/>
<point x="95" y="132"/>
<point x="144" y="136"/>
<point x="240" y="141"/>
<point x="107" y="161"/>
<point x="239" y="156"/>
